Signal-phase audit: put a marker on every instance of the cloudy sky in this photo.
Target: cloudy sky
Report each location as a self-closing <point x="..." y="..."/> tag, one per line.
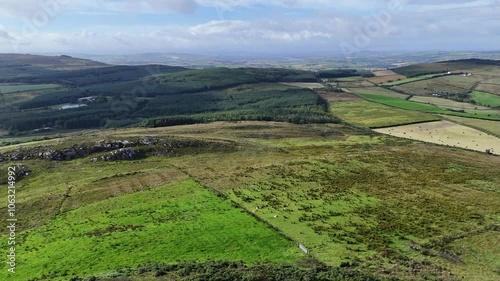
<point x="263" y="26"/>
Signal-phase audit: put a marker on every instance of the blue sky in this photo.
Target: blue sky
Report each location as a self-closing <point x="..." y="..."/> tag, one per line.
<point x="262" y="26"/>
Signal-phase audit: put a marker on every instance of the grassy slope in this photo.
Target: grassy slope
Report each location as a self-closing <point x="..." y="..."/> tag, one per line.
<point x="169" y="223"/>
<point x="363" y="197"/>
<point x="345" y="194"/>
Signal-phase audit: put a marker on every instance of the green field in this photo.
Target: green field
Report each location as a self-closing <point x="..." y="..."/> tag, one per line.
<point x="180" y="221"/>
<point x="7" y="89"/>
<point x="415" y="106"/>
<point x="368" y="114"/>
<point x="377" y="91"/>
<point x="486" y="99"/>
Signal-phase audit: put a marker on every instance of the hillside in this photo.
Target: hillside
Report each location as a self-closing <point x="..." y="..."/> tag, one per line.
<point x="17" y="65"/>
<point x="165" y="173"/>
<point x="445" y="66"/>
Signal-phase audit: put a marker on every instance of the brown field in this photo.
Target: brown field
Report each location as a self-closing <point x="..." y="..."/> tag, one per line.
<point x="384" y="73"/>
<point x="448" y="84"/>
<point x="305" y="85"/>
<point x="387" y="78"/>
<point x="446" y="133"/>
<point x="338" y="97"/>
<point x="489" y="88"/>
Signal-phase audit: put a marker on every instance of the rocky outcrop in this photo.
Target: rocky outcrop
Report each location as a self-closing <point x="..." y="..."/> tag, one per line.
<point x="117" y="150"/>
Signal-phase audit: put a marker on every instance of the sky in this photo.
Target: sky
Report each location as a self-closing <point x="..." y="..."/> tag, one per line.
<point x="247" y="26"/>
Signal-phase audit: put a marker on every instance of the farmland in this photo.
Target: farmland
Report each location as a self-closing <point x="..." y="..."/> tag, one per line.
<point x="490" y="88"/>
<point x="486" y="99"/>
<point x="368" y="114"/>
<point x="378" y="92"/>
<point x="447" y="84"/>
<point x="409" y="105"/>
<point x="488" y="126"/>
<point x="412" y="79"/>
<point x="97" y="234"/>
<point x="447" y="133"/>
<point x="384" y="76"/>
<point x="446" y="103"/>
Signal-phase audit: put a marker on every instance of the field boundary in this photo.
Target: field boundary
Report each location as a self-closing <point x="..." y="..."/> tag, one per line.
<point x="239" y="206"/>
<point x="404" y="124"/>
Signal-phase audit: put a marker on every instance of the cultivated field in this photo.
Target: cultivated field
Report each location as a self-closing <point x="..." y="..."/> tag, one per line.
<point x="305" y="85"/>
<point x="383" y="76"/>
<point x="446" y="103"/>
<point x="447" y="133"/>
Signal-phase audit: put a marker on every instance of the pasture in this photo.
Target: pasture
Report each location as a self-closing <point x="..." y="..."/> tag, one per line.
<point x="486" y="99"/>
<point x="447" y="133"/>
<point x="489" y="88"/>
<point x="367" y="114"/>
<point x="490" y="114"/>
<point x="451" y="84"/>
<point x="167" y="222"/>
<point x="377" y="91"/>
<point x="446" y="103"/>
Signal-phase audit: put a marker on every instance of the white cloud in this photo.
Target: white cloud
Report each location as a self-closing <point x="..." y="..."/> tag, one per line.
<point x="422" y="24"/>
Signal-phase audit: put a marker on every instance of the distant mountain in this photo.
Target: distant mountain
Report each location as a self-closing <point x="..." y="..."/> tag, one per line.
<point x="20" y="65"/>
